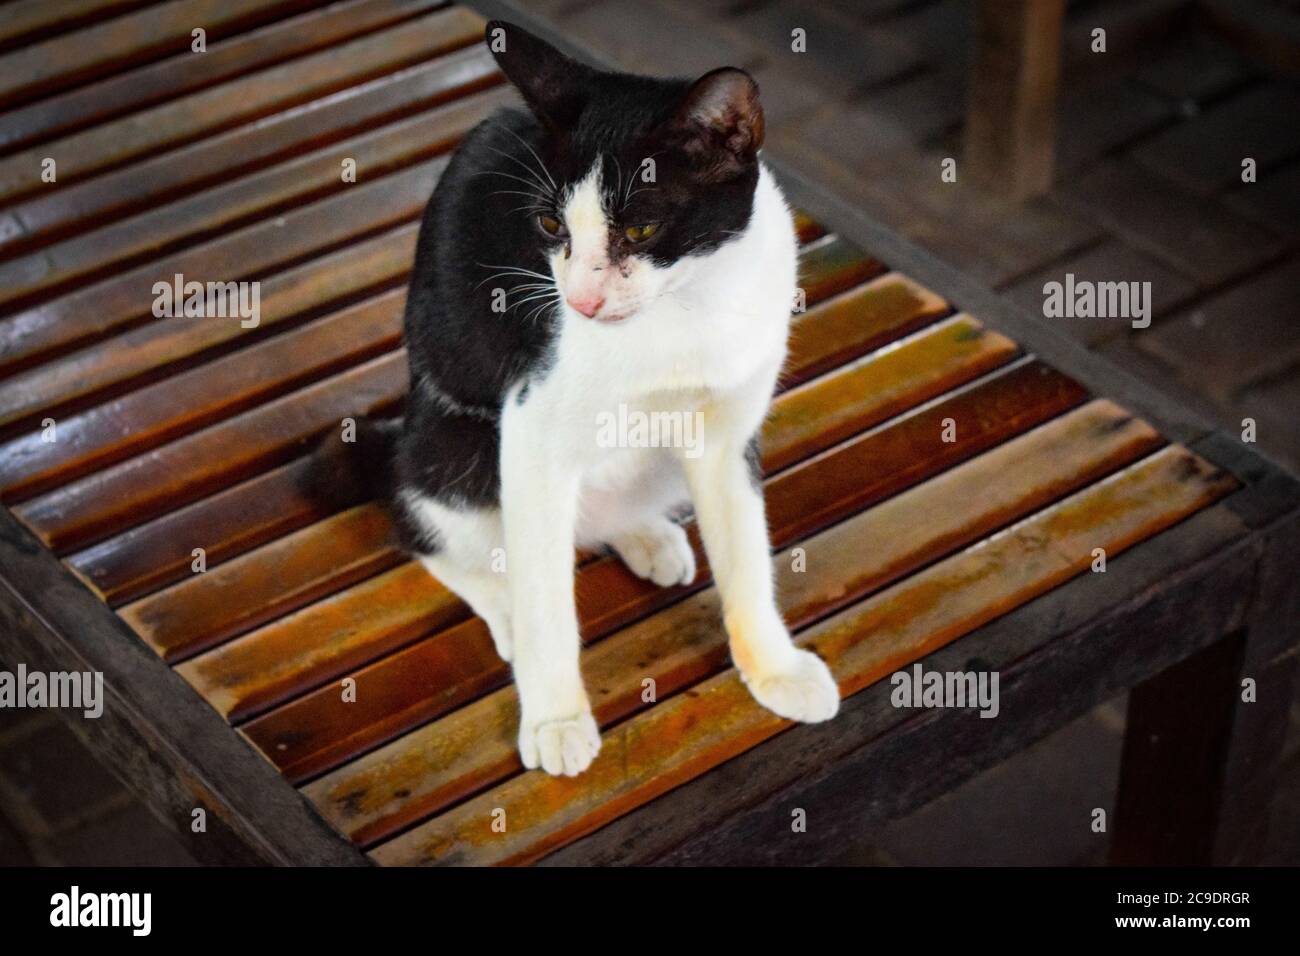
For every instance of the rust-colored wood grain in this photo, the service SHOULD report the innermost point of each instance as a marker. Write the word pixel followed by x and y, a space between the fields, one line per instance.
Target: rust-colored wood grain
pixel 309 176
pixel 225 58
pixel 876 386
pixel 848 323
pixel 142 487
pixel 150 180
pixel 238 690
pixel 287 298
pixel 685 643
pixel 244 254
pixel 183 403
pixel 124 569
pixel 25 19
pixel 240 101
pixel 203 610
pixel 233 521
pixel 687 734
pixel 163 29
pixel 313 733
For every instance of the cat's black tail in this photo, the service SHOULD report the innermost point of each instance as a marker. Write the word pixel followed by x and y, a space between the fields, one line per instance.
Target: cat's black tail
pixel 345 472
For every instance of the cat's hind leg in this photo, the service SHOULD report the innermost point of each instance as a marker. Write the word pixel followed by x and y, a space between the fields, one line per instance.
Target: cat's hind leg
pixel 658 550
pixel 483 590
pixel 464 549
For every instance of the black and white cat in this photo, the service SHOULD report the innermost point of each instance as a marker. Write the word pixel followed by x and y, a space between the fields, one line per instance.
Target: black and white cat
pixel 617 245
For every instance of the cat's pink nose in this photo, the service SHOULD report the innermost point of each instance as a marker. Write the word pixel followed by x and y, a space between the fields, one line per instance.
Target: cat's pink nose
pixel 587 305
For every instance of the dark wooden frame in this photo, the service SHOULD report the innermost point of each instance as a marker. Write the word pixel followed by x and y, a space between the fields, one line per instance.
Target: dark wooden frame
pixel 1183 616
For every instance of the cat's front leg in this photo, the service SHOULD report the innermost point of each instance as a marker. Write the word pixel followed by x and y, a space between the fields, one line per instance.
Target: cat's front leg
pixel 727 492
pixel 539 495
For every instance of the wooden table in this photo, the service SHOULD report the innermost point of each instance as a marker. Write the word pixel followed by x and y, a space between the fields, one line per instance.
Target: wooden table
pixel 225 686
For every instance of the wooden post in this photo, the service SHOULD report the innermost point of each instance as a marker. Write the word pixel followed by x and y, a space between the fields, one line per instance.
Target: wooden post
pixel 1201 756
pixel 1011 113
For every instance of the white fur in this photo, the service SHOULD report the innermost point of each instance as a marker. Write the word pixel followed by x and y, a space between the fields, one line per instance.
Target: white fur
pixel 706 335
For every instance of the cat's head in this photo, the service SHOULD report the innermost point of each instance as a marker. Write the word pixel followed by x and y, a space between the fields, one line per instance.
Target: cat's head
pixel 635 179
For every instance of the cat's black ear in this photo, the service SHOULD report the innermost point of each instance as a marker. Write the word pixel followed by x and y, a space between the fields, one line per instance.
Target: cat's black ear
pixel 719 124
pixel 553 85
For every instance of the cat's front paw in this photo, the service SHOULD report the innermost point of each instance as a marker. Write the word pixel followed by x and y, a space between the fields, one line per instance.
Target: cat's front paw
pixel 802 689
pixel 560 747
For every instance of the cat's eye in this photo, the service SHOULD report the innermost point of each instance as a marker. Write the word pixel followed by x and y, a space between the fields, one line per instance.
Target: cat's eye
pixel 642 232
pixel 550 225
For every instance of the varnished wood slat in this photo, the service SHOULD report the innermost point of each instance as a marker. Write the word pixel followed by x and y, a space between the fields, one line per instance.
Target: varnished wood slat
pixel 313 733
pixel 371 264
pixel 132 38
pixel 239 678
pixel 239 688
pixel 309 176
pixel 876 386
pixel 240 100
pixel 832 264
pixel 230 522
pixel 688 734
pixel 194 614
pixel 146 85
pixel 24 18
pixel 142 487
pixel 186 402
pixel 139 561
pixel 285 575
pixel 686 643
pixel 240 255
pixel 150 180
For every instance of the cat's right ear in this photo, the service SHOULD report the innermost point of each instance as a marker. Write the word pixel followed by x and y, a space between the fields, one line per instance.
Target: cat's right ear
pixel 553 85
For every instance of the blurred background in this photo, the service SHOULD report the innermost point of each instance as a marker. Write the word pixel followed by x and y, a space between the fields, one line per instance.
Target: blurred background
pixel 1122 164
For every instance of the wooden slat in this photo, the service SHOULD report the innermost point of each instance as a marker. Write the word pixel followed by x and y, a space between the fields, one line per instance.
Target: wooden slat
pixel 229 523
pixel 142 487
pixel 686 735
pixel 686 643
pixel 216 158
pixel 832 264
pixel 140 561
pixel 877 386
pixel 112 96
pixel 23 18
pixel 313 733
pixel 311 175
pixel 195 613
pixel 282 576
pixel 186 402
pixel 287 296
pixel 263 668
pixel 122 41
pixel 243 254
pixel 240 100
